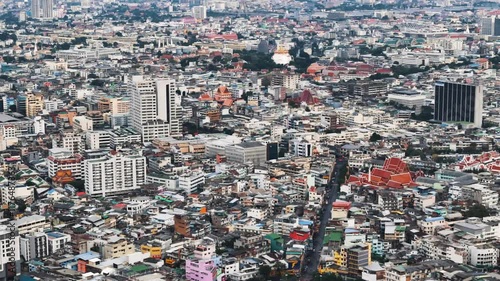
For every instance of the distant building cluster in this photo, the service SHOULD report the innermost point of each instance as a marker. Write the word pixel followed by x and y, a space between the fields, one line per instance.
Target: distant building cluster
pixel 237 140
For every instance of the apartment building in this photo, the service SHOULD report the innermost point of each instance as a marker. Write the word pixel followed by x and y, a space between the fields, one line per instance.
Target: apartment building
pixel 63 159
pixel 155 109
pixel 34 246
pixel 247 152
pixel 429 225
pixel 8 241
pixel 33 223
pixel 190 182
pixel 57 240
pixel 115 173
pixel 117 247
pixel 34 104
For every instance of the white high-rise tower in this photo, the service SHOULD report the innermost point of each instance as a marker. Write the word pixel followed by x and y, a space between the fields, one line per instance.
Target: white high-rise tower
pixel 155 109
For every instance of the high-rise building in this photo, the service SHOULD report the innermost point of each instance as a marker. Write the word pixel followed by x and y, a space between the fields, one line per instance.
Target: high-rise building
pixel 9 246
pixel 155 110
pixel 114 174
pixel 35 246
pixel 456 102
pixel 63 159
pixel 200 12
pixel 490 26
pixel 42 9
pixel 47 9
pixel 487 25
pixel 35 9
pixel 34 104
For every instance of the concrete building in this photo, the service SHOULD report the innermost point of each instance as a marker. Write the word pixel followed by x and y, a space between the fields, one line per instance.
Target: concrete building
pixel 57 241
pixel 117 247
pixel 9 245
pixel 200 12
pixel 191 181
pixel 82 124
pixel 407 98
pixel 64 159
pixel 21 191
pixel 33 223
pixel 247 152
pixel 113 174
pixel 34 104
pixel 456 102
pixel 98 139
pixel 34 246
pixel 155 110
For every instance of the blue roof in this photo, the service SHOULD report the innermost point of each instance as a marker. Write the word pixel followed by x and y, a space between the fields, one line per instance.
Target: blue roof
pixel 305 222
pixel 351 230
pixel 87 256
pixel 55 234
pixel 434 219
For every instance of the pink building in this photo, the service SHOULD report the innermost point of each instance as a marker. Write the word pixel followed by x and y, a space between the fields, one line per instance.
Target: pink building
pixel 201 270
pixel 202 266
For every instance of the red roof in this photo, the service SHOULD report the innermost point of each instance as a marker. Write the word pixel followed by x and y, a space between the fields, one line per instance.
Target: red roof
pixel 81 193
pixel 119 206
pixel 341 204
pixel 299 235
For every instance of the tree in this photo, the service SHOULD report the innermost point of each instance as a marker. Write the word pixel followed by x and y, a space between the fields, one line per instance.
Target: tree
pixel 477 210
pixel 426 114
pixel 79 40
pixel 119 34
pixel 293 104
pixel 375 137
pixel 97 83
pixel 9 59
pixel 21 205
pixel 246 95
pixel 265 271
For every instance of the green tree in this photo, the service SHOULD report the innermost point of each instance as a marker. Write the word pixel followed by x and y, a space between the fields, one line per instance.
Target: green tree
pixel 477 210
pixel 9 59
pixel 293 104
pixel 21 205
pixel 375 137
pixel 426 114
pixel 265 271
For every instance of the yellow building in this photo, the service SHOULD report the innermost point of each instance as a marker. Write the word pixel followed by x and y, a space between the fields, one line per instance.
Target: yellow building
pixel 114 105
pixel 153 249
pixel 34 104
pixel 118 247
pixel 340 257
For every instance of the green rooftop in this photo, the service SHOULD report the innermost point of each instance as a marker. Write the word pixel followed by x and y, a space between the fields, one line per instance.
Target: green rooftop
pixel 139 268
pixel 333 237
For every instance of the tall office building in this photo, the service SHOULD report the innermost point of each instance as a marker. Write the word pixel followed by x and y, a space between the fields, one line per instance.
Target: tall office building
pixel 456 102
pixel 47 9
pixel 490 26
pixel 114 174
pixel 35 9
pixel 155 109
pixel 42 9
pixel 200 12
pixel 487 25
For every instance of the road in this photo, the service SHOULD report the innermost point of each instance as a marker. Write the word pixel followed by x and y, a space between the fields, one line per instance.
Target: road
pixel 313 257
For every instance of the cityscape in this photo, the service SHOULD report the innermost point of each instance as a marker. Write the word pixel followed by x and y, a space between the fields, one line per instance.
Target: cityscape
pixel 217 140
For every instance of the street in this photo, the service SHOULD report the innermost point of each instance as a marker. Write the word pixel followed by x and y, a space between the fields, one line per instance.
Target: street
pixel 332 191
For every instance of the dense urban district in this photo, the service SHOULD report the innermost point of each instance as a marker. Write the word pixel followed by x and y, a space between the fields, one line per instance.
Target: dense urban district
pixel 216 140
